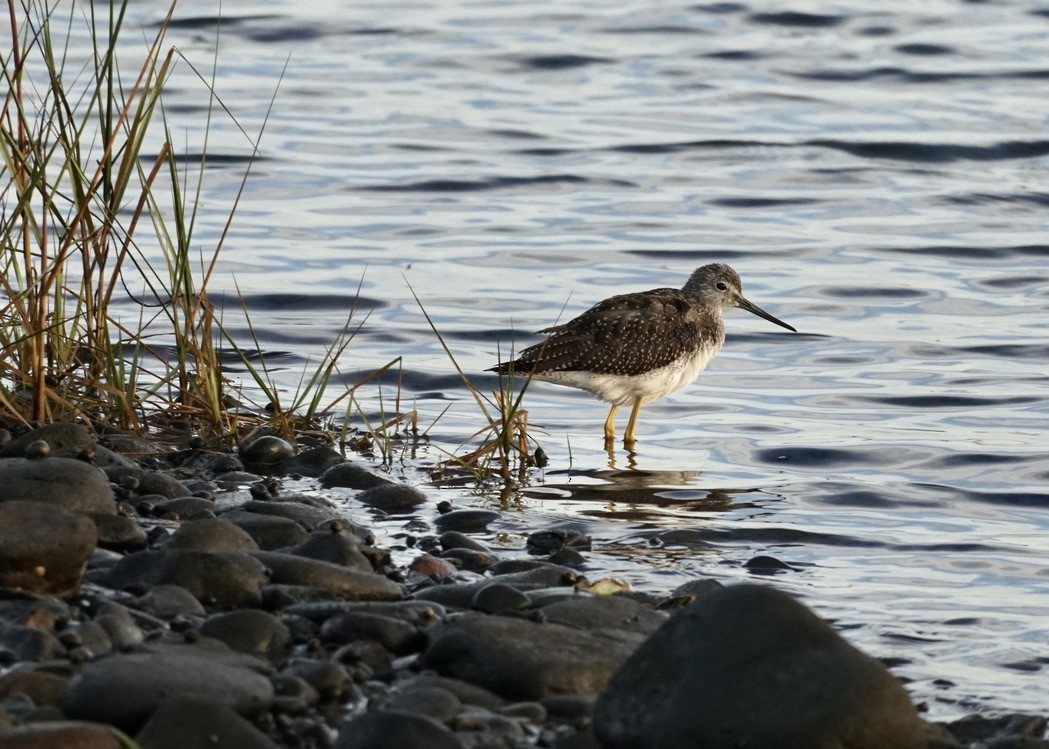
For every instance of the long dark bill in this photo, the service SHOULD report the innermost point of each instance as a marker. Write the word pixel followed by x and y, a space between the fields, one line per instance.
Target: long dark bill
pixel 751 307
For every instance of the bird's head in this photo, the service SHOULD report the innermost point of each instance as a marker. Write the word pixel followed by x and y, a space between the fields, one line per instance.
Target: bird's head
pixel 720 286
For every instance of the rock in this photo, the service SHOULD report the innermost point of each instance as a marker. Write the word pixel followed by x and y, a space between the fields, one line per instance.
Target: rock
pixel 470 560
pixel 119 533
pixel 430 700
pixel 549 541
pixel 250 631
pixel 541 575
pixel 466 521
pixel 129 445
pixel 353 476
pixel 182 723
pixel 314 462
pixel 308 516
pixel 456 540
pixel 330 680
pixel 210 463
pixel 396 635
pixel 62 437
pixel 105 458
pixel 698 679
pixel 384 729
pixel 64 482
pixel 42 687
pixel 279 597
pixel 498 597
pixel 211 534
pixel 433 567
pixel 30 644
pixel 119 624
pixel 605 612
pixel 222 580
pixel 169 601
pixel 183 506
pixel 346 583
pixel 125 689
pixel 521 659
pixel 149 482
pixel 337 546
pixel 66 734
pixel 392 498
pixel 269 531
pixel 267 451
pixel 43 548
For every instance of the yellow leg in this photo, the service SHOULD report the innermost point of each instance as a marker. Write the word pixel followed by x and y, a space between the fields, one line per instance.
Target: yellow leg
pixel 628 436
pixel 610 425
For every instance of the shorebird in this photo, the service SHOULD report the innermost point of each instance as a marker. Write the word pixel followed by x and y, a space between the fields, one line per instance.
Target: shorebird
pixel 638 347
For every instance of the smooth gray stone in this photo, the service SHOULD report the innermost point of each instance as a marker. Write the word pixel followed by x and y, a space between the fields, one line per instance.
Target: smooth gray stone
pixel 308 516
pixel 64 482
pixel 118 532
pixel 221 580
pixel 605 612
pixel 346 583
pixel 392 497
pixel 387 729
pixel 336 546
pixel 63 437
pixel 250 631
pixel 520 659
pixel 314 461
pixel 169 601
pixel 396 635
pixel 43 548
pixel 125 689
pixel 269 531
pixel 267 450
pixel 181 723
pixel 353 476
pixel 750 666
pixel 211 534
pixel 150 482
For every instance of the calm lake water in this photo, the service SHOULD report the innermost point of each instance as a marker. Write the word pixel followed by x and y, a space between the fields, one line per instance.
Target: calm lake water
pixel 878 179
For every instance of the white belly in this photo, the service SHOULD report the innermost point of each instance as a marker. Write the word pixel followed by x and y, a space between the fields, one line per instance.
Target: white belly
pixel 623 389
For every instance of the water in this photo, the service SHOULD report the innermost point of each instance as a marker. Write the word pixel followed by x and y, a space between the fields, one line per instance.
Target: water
pixel 877 178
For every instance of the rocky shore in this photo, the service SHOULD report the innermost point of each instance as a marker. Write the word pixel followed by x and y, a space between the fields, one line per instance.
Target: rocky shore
pixel 137 597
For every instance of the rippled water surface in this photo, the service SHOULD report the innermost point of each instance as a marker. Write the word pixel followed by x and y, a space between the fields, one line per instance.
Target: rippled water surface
pixel 877 178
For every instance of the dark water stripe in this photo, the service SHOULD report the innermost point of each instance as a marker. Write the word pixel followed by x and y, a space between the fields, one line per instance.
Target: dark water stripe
pixel 970 252
pixel 210 22
pixel 1040 199
pixel 559 62
pixel 1019 499
pixel 743 55
pixel 274 301
pixel 945 401
pixel 822 457
pixel 924 49
pixel 766 535
pixel 872 293
pixel 938 152
pixel 491 183
pixel 760 202
pixel 210 158
pixel 798 19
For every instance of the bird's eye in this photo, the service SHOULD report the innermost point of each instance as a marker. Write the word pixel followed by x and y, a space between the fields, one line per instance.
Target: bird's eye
pixel 721 286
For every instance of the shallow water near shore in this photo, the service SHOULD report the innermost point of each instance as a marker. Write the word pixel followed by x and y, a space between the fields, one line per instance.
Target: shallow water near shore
pixel 876 180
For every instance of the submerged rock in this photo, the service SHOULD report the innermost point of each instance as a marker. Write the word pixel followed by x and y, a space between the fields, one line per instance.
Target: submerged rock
pixel 750 666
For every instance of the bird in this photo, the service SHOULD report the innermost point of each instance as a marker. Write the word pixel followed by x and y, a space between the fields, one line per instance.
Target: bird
pixel 638 347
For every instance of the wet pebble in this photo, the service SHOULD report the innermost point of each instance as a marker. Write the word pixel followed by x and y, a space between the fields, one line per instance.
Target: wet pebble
pixel 63 482
pixel 433 567
pixel 221 580
pixel 521 659
pixel 457 540
pixel 149 481
pixel 346 583
pixel 308 516
pixel 605 612
pixel 43 549
pixel 61 437
pixel 334 545
pixel 170 601
pixel 211 534
pixel 396 635
pixel 250 631
pixel 268 531
pixel 183 506
pixel 392 498
pixel 466 521
pixel 750 645
pixel 314 461
pixel 180 723
pixel 74 734
pixel 42 687
pixel 268 450
pixel 383 729
pixel 125 689
pixel 470 560
pixel 120 625
pixel 499 597
pixel 118 532
pixel 30 644
pixel 431 700
pixel 353 476
pixel 549 541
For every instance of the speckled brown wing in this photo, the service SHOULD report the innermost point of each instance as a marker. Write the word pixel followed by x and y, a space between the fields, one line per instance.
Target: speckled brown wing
pixel 624 335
